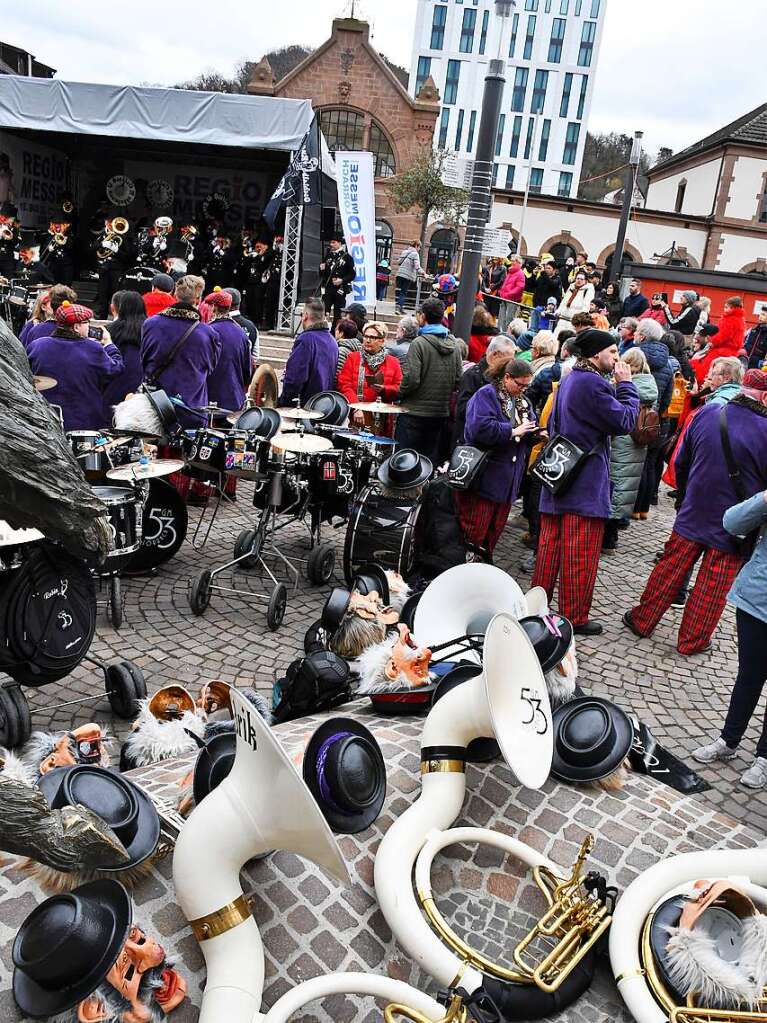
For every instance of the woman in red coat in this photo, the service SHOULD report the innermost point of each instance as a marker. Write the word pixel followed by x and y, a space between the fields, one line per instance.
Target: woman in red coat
pixel 371 374
pixel 728 341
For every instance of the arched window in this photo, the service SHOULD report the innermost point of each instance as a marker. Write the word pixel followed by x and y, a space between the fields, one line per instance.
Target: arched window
pixel 562 252
pixel 443 250
pixel 382 151
pixel 343 129
pixel 347 130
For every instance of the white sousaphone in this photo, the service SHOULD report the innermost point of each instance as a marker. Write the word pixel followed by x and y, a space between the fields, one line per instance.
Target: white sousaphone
pixel 263 804
pixel 631 959
pixel 508 700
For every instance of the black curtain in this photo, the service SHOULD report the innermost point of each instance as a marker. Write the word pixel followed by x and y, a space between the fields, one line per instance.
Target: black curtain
pixel 314 240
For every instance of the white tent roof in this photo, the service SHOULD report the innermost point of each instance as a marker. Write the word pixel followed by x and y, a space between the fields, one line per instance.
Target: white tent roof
pixel 167 115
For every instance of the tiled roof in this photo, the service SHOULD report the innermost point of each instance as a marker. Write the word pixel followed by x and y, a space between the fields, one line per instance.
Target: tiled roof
pixel 751 129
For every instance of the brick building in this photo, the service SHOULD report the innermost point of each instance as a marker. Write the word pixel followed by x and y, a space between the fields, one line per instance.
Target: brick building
pixel 363 106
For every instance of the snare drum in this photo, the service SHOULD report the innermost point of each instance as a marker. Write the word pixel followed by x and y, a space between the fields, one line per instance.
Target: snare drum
pixel 124 523
pixel 206 450
pixel 19 295
pixel 381 530
pixel 244 453
pixel 87 447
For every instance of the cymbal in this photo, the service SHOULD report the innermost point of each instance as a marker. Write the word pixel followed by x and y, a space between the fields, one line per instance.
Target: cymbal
pixel 378 406
pixel 299 413
pixel 44 383
pixel 305 444
pixel 137 471
pixel 361 437
pixel 217 410
pixel 126 435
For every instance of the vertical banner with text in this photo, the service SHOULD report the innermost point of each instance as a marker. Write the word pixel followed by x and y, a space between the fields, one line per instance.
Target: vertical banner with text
pixel 357 208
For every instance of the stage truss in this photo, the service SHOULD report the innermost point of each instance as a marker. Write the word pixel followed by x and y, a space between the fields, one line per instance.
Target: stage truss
pixel 291 268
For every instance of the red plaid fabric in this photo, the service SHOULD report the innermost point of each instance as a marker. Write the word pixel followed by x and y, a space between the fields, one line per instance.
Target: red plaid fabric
pixel 568 549
pixel 706 602
pixel 68 314
pixel 482 520
pixel 219 298
pixel 186 485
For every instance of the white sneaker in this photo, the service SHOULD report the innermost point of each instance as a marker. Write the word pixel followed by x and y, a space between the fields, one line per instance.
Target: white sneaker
pixel 756 776
pixel 716 750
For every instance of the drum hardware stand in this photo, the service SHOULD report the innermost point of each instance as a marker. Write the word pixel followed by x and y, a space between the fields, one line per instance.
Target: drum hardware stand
pixel 221 496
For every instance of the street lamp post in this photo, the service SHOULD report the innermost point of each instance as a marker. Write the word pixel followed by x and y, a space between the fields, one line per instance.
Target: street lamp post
pixel 628 198
pixel 482 179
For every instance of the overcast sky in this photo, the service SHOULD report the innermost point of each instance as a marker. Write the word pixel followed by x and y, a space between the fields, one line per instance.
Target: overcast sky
pixel 665 66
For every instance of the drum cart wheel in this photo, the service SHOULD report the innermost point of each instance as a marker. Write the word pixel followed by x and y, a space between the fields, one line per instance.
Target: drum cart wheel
pixel 320 564
pixel 275 612
pixel 125 686
pixel 243 546
pixel 316 638
pixel 115 602
pixel 199 596
pixel 15 719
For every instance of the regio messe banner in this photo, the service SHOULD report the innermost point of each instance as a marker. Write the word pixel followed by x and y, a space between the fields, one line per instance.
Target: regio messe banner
pixel 357 207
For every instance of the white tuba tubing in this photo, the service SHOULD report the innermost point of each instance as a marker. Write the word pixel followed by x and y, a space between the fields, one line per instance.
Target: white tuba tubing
pixel 219 837
pixel 646 891
pixel 453 721
pixel 353 984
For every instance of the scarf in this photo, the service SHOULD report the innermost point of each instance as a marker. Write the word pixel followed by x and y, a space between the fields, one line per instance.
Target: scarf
pixel 588 367
pixel 571 296
pixel 516 410
pixel 180 311
pixel 374 360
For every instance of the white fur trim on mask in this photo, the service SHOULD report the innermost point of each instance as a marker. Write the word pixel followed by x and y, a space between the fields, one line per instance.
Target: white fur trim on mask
pixel 152 740
pixel 137 413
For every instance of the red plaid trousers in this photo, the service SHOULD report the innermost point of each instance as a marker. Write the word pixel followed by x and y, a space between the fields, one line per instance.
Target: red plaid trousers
pixel 186 485
pixel 706 602
pixel 568 548
pixel 482 520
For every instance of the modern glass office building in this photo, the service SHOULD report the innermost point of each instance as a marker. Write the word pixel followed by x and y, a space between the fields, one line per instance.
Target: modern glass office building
pixel 551 48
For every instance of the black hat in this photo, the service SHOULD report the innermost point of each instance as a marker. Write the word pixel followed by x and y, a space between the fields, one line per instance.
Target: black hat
pixel 665 917
pixel 28 238
pixel 371 578
pixel 592 737
pixel 405 469
pixel 338 236
pixel 67 945
pixel 214 762
pixel 264 422
pixel 128 811
pixel 175 249
pixel 333 406
pixel 552 637
pixel 345 771
pixel 479 751
pixel 7 209
pixel 402 702
pixel 592 341
pixel 709 330
pixel 335 608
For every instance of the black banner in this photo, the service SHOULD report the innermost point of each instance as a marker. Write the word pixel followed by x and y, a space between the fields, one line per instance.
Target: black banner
pixel 300 184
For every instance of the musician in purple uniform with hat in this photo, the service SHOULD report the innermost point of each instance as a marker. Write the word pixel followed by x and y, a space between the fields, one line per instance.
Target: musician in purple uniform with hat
pixel 228 383
pixel 179 352
pixel 81 365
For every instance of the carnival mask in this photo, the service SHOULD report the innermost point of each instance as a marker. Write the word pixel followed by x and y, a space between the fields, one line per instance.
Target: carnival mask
pixel 215 696
pixel 370 607
pixel 81 746
pixel 408 661
pixel 138 977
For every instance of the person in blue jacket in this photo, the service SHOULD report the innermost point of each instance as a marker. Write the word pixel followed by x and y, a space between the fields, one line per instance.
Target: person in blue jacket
pixel 749 597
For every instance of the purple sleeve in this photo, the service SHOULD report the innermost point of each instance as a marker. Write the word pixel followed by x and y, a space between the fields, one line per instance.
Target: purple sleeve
pixel 215 348
pixel 147 347
pixel 484 423
pixel 296 372
pixel 112 361
pixel 246 361
pixel 615 414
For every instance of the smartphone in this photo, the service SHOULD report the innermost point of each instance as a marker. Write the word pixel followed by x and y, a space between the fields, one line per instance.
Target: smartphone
pixel 97 333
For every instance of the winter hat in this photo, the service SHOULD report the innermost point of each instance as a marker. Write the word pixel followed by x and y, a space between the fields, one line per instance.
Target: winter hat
pixel 691 296
pixel 68 314
pixel 219 298
pixel 163 282
pixel 709 330
pixel 592 341
pixel 755 380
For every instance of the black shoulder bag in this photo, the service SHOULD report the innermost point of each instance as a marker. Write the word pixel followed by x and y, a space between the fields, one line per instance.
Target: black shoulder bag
pixel 558 465
pixel 747 543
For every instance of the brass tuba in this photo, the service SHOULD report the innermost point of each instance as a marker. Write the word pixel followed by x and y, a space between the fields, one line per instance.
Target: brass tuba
pixel 112 239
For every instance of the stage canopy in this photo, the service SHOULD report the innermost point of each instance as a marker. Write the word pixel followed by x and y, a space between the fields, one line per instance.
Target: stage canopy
pixel 162 115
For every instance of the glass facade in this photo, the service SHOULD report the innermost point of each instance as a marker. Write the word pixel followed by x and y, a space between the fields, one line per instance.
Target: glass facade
pixel 444 125
pixel 565 184
pixel 483 31
pixel 558 28
pixel 520 89
pixel 459 130
pixel 466 44
pixel 422 73
pixel 567 88
pixel 571 142
pixel 529 37
pixel 499 136
pixel 540 85
pixel 588 35
pixel 536 179
pixel 472 126
pixel 514 30
pixel 582 97
pixel 516 132
pixel 439 19
pixel 543 149
pixel 451 81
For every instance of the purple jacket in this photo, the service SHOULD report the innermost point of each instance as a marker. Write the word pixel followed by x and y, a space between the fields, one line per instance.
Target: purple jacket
pixel 488 428
pixel 82 368
pixel 589 410
pixel 187 375
pixel 311 366
pixel 701 471
pixel 228 383
pixel 132 374
pixel 32 331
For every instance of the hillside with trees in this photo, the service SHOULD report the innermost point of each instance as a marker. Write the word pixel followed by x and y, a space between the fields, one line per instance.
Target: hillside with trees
pixel 604 161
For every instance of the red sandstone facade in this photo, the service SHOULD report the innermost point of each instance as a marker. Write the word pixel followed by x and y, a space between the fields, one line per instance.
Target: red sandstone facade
pixel 346 73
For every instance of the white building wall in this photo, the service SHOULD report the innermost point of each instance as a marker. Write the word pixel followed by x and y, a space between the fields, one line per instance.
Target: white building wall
pixel 737 251
pixel 473 68
pixel 747 187
pixel 699 193
pixel 596 233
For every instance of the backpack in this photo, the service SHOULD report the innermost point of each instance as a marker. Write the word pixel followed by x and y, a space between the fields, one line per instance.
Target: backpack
pixel 678 396
pixel 312 684
pixel 647 429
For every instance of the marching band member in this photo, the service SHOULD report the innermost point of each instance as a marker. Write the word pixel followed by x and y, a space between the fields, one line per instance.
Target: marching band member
pixel 338 272
pixel 153 242
pixel 57 249
pixel 82 366
pixel 228 383
pixel 9 238
pixel 114 254
pixel 256 263
pixel 220 260
pixel 189 238
pixel 30 270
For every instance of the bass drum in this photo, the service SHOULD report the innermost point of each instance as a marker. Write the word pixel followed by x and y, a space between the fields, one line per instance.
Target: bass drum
pixel 381 530
pixel 139 279
pixel 164 524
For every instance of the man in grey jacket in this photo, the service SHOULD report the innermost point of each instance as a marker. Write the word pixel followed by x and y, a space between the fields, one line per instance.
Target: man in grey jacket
pixel 409 269
pixel 430 375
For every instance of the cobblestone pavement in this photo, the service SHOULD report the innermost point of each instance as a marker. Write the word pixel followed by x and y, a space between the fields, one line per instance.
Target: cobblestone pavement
pixel 682 699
